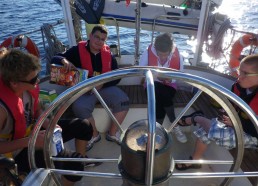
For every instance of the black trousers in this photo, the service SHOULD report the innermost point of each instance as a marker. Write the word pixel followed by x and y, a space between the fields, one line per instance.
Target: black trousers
pixel 76 128
pixel 164 102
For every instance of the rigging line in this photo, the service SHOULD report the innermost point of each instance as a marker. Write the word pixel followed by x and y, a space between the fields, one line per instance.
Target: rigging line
pixel 215 48
pixel 54 45
pixel 231 41
pixel 244 32
pixel 60 21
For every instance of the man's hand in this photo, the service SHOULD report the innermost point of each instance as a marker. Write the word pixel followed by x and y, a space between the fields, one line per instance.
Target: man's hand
pixel 68 65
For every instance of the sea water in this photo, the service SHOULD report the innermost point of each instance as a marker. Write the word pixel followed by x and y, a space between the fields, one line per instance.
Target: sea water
pixel 17 17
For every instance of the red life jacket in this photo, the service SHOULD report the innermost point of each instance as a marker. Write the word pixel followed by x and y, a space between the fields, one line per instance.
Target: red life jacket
pixel 86 59
pixel 253 103
pixel 15 106
pixel 174 61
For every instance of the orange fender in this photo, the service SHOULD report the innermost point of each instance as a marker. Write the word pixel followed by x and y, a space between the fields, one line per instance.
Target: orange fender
pixel 23 42
pixel 237 48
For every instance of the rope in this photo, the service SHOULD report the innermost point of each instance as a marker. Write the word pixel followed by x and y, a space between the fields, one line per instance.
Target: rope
pixel 54 45
pixel 214 49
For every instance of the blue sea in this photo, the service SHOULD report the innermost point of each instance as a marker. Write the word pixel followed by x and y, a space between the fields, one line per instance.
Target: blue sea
pixel 21 16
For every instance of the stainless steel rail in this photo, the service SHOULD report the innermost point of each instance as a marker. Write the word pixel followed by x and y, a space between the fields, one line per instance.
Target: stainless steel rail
pixel 152 129
pixel 219 93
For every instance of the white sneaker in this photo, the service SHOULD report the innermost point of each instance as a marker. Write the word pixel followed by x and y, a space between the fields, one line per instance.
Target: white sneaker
pixel 180 136
pixel 115 138
pixel 93 141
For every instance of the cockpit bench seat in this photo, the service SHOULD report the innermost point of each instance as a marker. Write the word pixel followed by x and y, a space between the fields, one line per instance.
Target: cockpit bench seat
pixel 138 96
pixel 138 99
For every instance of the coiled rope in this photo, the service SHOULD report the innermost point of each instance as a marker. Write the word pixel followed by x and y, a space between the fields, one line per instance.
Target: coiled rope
pixel 53 47
pixel 214 49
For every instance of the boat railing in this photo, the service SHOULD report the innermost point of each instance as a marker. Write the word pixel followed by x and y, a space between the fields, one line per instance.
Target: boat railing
pixel 167 16
pixel 153 26
pixel 31 32
pixel 60 21
pixel 117 33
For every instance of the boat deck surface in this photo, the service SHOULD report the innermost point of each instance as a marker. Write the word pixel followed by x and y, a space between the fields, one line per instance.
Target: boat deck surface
pixel 138 98
pixel 102 149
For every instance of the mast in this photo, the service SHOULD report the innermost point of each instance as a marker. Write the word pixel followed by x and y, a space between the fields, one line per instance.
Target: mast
pixel 201 26
pixel 68 22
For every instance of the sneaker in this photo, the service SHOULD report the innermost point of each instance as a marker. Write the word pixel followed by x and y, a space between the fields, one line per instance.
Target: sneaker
pixel 115 138
pixel 91 164
pixel 180 136
pixel 92 141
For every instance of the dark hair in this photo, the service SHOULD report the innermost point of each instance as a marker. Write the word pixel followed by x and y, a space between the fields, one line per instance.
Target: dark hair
pixel 100 28
pixel 16 64
pixel 251 60
pixel 164 43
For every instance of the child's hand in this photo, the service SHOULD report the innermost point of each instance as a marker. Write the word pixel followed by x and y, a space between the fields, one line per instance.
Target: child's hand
pixel 40 139
pixel 165 80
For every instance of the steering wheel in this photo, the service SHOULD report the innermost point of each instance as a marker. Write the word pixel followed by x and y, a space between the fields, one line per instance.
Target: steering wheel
pixel 222 95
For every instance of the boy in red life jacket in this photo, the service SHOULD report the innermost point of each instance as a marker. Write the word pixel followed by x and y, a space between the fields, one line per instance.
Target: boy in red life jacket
pixel 164 53
pixel 220 129
pixel 95 56
pixel 19 109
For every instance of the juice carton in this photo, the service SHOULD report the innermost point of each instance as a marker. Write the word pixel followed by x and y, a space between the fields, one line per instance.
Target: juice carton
pixel 46 96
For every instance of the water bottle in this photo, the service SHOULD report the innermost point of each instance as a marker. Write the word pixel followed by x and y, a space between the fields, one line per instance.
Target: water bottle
pixel 114 49
pixel 57 144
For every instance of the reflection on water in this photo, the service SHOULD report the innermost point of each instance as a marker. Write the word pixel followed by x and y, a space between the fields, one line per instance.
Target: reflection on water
pixel 33 13
pixel 243 15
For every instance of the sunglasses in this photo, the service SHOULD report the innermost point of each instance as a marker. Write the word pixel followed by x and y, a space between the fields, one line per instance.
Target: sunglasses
pixel 246 74
pixel 33 81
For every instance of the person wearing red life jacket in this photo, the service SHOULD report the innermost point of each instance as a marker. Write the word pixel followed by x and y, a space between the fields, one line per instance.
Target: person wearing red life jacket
pixel 220 129
pixel 19 109
pixel 164 53
pixel 95 56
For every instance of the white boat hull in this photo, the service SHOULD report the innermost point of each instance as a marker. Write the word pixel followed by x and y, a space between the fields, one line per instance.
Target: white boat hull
pixel 183 22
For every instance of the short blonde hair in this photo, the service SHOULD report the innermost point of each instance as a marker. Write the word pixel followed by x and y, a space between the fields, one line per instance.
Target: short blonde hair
pixel 16 64
pixel 251 60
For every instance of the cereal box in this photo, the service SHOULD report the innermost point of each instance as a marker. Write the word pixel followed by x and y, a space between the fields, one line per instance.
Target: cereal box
pixel 60 76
